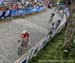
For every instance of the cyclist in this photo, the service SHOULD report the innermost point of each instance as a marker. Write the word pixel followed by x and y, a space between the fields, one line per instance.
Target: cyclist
pixel 52 28
pixel 25 38
pixel 58 22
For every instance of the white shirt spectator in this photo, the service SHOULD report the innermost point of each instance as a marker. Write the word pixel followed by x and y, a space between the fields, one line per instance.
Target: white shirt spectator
pixel 35 0
pixel 27 2
pixel 19 5
pixel 22 1
pixel 66 10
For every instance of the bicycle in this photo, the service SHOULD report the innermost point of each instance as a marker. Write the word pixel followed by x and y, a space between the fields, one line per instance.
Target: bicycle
pixel 22 46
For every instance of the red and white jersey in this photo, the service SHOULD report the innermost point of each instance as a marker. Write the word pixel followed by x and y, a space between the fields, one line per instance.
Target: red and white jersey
pixel 25 36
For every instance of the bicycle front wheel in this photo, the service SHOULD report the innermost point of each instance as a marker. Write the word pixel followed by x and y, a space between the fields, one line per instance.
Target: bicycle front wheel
pixel 20 50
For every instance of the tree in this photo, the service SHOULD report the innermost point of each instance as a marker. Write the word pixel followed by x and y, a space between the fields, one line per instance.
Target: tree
pixel 70 25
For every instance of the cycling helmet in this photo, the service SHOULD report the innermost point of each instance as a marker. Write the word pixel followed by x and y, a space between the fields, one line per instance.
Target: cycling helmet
pixel 24 31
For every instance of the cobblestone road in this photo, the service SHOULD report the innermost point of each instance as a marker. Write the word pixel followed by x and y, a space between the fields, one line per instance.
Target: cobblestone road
pixel 37 25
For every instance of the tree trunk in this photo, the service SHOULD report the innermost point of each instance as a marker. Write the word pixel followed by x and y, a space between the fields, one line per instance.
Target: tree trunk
pixel 70 26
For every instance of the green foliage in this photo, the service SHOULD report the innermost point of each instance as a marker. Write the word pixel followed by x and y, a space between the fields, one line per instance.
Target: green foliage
pixel 53 51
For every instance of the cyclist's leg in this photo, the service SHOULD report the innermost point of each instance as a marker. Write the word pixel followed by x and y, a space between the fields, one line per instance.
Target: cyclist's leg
pixel 27 43
pixel 24 44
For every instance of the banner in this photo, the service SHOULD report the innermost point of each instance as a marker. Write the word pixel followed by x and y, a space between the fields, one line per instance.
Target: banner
pixel 27 11
pixel 34 9
pixel 7 13
pixel 20 12
pixel 13 12
pixel 1 13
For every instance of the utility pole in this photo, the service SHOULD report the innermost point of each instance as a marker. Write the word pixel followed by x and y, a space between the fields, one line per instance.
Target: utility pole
pixel 70 29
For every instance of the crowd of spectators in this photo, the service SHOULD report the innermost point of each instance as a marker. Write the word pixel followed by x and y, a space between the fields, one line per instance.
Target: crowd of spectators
pixel 20 4
pixel 6 7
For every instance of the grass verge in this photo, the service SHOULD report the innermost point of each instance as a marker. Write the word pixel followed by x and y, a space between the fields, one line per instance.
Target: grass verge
pixel 53 52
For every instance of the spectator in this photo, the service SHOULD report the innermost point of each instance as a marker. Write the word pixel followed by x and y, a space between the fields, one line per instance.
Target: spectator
pixel 23 2
pixel 27 4
pixel 52 28
pixel 19 5
pixel 58 23
pixel 66 11
pixel 51 18
pixel 50 4
pixel 61 12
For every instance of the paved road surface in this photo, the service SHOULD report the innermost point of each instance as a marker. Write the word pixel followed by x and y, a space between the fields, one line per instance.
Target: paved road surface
pixel 37 25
